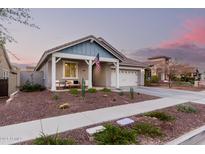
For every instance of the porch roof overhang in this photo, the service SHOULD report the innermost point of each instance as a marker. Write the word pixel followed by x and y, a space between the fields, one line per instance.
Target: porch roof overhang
pixel 82 57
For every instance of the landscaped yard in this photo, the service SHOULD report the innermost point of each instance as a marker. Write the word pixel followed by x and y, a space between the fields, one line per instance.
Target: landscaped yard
pixel 28 106
pixel 156 127
pixel 188 87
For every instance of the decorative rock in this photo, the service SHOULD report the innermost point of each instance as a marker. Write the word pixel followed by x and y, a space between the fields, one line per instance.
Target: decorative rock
pixel 64 106
pixel 91 138
pixel 125 121
pixel 94 130
pixel 105 95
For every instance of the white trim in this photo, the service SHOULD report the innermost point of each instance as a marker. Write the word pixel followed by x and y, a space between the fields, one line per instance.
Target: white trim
pixel 90 74
pixel 127 68
pixel 53 73
pixel 58 60
pixel 67 61
pixel 118 75
pixel 5 73
pixel 83 57
pixel 87 62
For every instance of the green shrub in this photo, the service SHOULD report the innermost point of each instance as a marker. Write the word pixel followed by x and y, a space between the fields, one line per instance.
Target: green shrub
pixel 148 129
pixel 106 90
pixel 55 96
pixel 154 79
pixel 52 140
pixel 74 91
pixel 28 87
pixel 182 83
pixel 160 115
pixel 147 83
pixel 186 108
pixel 92 90
pixel 187 78
pixel 115 135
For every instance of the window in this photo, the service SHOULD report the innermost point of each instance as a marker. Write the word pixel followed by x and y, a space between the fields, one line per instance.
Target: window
pixel 5 74
pixel 70 70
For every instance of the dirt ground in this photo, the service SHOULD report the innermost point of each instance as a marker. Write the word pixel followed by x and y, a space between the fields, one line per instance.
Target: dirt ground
pixel 27 106
pixel 183 123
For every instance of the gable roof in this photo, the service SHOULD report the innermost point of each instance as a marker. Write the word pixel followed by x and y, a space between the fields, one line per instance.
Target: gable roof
pixel 126 61
pixel 6 56
pixel 99 41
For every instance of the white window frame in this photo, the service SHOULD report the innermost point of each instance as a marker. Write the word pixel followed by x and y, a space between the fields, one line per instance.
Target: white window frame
pixel 66 61
pixel 5 74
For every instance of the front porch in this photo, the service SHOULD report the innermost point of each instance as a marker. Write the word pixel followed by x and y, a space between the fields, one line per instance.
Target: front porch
pixel 67 71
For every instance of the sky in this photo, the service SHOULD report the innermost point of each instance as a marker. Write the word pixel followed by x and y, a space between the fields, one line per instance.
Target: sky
pixel 128 30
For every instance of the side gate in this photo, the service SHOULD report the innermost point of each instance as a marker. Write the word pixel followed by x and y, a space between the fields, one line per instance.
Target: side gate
pixel 3 87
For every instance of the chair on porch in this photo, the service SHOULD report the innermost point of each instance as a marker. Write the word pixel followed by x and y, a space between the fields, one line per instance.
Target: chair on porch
pixel 73 84
pixel 60 84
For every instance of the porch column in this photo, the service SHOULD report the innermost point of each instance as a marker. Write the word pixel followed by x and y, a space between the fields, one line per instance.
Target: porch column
pixel 90 74
pixel 142 74
pixel 46 75
pixel 117 75
pixel 53 73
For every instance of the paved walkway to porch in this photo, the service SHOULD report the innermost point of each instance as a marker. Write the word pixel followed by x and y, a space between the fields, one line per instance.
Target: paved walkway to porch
pixel 12 134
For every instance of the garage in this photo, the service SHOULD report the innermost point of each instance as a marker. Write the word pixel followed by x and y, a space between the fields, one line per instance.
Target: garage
pixel 127 78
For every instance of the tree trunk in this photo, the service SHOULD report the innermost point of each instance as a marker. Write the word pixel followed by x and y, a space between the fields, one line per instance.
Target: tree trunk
pixel 170 83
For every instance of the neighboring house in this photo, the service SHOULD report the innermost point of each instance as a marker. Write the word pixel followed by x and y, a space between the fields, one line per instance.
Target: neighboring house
pixel 202 78
pixel 74 61
pixel 8 75
pixel 158 66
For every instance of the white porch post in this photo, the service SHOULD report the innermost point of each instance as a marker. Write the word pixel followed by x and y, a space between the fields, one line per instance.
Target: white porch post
pixel 53 73
pixel 46 75
pixel 90 74
pixel 117 75
pixel 142 74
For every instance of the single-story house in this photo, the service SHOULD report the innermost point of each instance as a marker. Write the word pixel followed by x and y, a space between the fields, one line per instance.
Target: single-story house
pixel 74 61
pixel 8 75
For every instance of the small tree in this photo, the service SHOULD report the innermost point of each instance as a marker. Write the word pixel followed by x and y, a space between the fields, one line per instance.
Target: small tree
pixel 172 71
pixel 9 15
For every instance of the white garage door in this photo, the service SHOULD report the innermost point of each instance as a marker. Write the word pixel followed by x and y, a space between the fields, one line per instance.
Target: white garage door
pixel 127 78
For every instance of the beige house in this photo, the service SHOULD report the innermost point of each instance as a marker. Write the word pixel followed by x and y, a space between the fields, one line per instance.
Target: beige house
pixel 9 77
pixel 66 65
pixel 158 66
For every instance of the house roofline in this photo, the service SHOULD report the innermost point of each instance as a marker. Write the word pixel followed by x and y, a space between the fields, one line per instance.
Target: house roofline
pixel 6 56
pixel 75 42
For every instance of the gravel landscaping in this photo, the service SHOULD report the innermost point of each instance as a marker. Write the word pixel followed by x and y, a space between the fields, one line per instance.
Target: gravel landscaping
pixel 184 121
pixel 181 87
pixel 27 106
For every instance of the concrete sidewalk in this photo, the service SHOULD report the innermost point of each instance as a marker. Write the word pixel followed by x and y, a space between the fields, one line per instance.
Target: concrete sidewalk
pixel 12 134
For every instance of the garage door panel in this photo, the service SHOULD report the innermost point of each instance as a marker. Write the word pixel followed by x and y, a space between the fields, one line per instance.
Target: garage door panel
pixel 127 78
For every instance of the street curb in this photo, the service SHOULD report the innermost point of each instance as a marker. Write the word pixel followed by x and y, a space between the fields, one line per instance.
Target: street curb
pixel 188 136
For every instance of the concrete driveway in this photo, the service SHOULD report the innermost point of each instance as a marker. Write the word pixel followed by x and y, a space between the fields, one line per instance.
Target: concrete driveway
pixel 198 97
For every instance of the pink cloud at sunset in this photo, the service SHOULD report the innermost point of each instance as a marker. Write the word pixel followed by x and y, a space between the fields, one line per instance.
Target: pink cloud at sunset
pixel 192 31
